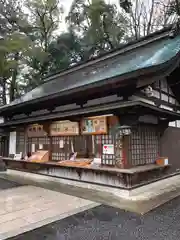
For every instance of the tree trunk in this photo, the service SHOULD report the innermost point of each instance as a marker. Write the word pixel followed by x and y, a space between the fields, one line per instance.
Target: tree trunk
pixel 13 79
pixel 4 92
pixel 177 3
pixel 106 33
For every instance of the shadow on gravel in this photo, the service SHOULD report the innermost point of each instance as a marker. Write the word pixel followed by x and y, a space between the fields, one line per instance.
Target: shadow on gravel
pixel 5 184
pixel 108 223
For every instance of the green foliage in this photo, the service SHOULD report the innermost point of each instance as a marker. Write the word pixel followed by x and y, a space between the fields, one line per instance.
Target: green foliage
pixel 14 43
pixel 64 51
pixel 99 25
pixel 44 18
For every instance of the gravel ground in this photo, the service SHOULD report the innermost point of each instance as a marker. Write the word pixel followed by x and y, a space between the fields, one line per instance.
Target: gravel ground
pixel 107 223
pixel 5 184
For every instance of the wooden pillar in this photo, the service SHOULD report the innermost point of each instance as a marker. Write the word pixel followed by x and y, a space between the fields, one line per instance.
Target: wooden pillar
pixel 118 152
pixel 46 127
pixel 25 141
pixel 126 151
pixel 122 152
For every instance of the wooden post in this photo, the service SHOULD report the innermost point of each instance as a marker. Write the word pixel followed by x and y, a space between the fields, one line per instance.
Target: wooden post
pixel 125 156
pixel 25 141
pixel 118 152
pixel 46 127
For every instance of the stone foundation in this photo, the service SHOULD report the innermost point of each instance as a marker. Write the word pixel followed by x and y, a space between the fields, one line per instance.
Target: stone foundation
pixel 109 177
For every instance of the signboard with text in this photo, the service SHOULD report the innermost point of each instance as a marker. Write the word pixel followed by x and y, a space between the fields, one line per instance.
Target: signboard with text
pixel 64 128
pixel 94 125
pixel 108 149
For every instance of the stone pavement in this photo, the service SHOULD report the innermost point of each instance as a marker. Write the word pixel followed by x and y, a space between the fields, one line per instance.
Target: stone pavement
pixel 25 208
pixel 140 200
pixel 107 223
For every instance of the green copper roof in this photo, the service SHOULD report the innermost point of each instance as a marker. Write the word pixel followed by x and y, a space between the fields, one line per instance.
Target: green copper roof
pixel 142 57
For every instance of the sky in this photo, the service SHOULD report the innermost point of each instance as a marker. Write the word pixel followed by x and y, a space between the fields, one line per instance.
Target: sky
pixel 67 4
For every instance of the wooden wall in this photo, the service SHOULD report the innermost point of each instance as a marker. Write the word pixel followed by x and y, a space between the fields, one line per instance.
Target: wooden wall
pixel 170 147
pixel 87 146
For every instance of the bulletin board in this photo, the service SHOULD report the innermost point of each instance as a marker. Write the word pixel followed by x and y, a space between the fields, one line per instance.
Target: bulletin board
pixel 94 125
pixel 64 128
pixel 36 130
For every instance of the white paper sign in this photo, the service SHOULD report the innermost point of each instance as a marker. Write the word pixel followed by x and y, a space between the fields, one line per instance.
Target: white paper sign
pixel 61 144
pixel 108 149
pixel 40 146
pixel 18 156
pixel 1 120
pixel 12 143
pixel 33 148
pixel 166 161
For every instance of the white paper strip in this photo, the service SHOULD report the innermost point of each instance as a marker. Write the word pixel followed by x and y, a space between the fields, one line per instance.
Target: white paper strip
pixel 61 144
pixel 12 143
pixel 40 146
pixel 33 148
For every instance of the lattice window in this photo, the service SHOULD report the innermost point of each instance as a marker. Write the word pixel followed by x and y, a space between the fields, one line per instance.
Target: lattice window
pixel 40 143
pixel 63 146
pixel 83 145
pixel 30 142
pixel 20 141
pixel 143 145
pixel 4 146
pixel 100 140
pixel 60 148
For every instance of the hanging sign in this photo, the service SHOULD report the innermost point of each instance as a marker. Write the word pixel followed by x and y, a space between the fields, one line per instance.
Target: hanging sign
pixel 108 149
pixel 36 130
pixel 94 125
pixel 124 130
pixel 64 128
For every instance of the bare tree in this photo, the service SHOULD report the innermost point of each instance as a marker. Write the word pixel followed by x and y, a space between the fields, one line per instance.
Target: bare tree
pixel 147 16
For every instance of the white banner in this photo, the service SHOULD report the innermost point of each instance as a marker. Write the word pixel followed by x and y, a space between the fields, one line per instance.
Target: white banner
pixel 12 143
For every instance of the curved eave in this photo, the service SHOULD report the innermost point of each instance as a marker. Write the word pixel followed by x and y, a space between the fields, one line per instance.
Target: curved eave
pixel 135 79
pixel 117 108
pixel 129 70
